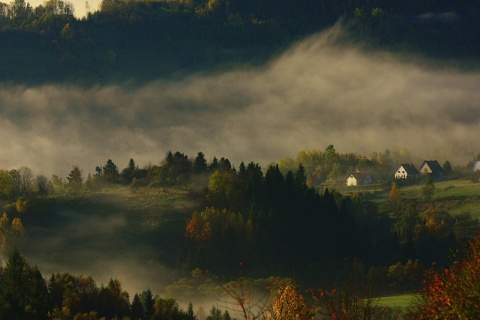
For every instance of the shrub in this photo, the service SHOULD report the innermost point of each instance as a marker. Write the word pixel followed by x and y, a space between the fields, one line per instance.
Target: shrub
pixel 455 292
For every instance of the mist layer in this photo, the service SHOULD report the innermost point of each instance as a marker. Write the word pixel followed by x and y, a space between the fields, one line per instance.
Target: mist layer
pixel 316 94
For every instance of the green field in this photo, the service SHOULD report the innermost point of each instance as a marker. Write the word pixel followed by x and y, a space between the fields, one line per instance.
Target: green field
pixel 402 301
pixel 453 196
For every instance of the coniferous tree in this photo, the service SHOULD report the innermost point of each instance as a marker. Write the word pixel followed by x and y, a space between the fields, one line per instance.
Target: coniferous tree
pixel 214 164
pixel 190 313
pixel 110 172
pixel 23 291
pixel 129 172
pixel 148 303
pixel 200 163
pixel 75 178
pixel 114 302
pixel 137 308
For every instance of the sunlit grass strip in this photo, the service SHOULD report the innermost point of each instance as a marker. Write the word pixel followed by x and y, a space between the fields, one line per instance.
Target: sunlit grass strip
pixel 402 301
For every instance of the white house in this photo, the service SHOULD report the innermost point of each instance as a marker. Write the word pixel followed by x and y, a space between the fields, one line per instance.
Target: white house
pixel 476 166
pixel 406 171
pixel 359 178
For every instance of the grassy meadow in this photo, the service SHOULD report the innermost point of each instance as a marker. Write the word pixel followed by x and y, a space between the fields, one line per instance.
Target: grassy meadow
pixel 453 196
pixel 457 196
pixel 400 302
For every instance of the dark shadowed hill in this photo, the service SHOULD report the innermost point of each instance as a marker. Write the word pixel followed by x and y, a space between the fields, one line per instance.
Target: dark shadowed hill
pixel 145 40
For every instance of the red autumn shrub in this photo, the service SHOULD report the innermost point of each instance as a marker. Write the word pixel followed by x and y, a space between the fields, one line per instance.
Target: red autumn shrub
pixel 455 292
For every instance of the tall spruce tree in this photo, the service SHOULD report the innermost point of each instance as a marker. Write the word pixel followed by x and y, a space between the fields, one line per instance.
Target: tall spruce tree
pixel 23 291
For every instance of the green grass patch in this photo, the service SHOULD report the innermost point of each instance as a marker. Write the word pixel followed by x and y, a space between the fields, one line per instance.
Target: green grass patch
pixel 402 301
pixel 453 196
pixel 472 207
pixel 457 189
pixel 444 190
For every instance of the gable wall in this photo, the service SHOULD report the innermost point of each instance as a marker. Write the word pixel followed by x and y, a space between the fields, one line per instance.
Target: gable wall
pixel 401 173
pixel 351 181
pixel 476 166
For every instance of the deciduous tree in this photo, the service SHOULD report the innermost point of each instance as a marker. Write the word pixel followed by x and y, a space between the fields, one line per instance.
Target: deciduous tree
pixel 453 293
pixel 42 184
pixel 290 304
pixel 5 184
pixel 394 195
pixel 428 190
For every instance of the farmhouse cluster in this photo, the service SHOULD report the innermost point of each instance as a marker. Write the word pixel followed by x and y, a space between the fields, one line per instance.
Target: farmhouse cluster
pixel 405 171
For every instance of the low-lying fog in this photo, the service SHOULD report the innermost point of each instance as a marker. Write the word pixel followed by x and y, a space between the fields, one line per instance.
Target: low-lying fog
pixel 316 94
pixel 104 239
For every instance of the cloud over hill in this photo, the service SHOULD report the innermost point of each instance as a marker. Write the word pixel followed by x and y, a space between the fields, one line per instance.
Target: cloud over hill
pixel 315 94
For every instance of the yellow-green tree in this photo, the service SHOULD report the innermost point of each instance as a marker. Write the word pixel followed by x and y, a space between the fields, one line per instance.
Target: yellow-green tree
pixel 21 205
pixel 17 227
pixel 9 230
pixel 394 195
pixel 5 184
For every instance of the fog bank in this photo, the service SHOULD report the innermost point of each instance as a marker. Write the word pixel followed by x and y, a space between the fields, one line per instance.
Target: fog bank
pixel 316 94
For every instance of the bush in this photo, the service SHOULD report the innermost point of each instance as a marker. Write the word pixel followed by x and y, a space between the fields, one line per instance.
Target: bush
pixel 137 183
pixel 453 293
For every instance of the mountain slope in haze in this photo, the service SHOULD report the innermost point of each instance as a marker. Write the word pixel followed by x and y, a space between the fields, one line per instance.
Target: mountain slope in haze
pixel 144 40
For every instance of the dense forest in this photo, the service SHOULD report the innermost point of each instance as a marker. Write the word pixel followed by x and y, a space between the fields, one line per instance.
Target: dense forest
pixel 282 228
pixel 137 41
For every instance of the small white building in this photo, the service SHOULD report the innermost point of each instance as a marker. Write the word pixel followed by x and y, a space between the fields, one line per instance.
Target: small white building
pixel 406 171
pixel 359 179
pixel 476 166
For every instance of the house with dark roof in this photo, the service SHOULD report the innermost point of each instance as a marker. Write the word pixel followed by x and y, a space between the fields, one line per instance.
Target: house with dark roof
pixel 359 179
pixel 406 171
pixel 431 168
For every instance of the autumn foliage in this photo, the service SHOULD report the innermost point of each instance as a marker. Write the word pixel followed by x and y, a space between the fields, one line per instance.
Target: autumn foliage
pixel 289 304
pixel 455 292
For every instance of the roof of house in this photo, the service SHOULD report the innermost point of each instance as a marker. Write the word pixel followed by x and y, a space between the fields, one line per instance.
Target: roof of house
pixel 409 168
pixel 433 165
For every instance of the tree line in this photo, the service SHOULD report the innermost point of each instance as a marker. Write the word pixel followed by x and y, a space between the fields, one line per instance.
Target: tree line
pixel 451 293
pixel 244 211
pixel 25 294
pixel 318 168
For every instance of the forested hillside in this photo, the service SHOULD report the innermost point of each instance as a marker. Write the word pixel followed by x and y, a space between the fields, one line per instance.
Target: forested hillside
pixel 144 40
pixel 193 229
